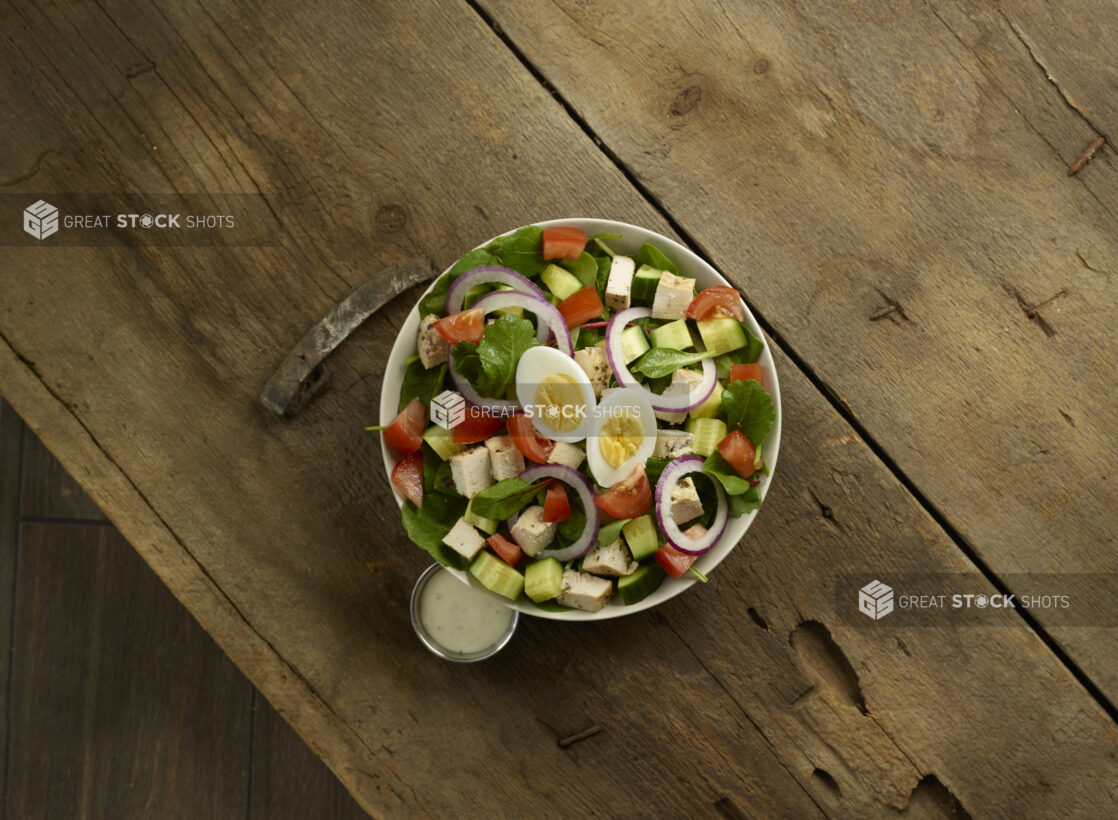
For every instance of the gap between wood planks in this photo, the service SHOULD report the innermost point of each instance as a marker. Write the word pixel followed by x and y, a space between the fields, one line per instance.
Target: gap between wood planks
pixel 813 377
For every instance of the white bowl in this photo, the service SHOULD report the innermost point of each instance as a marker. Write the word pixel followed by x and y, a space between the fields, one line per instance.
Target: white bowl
pixel 691 266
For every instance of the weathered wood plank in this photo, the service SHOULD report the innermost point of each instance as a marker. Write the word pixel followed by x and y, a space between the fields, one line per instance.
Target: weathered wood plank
pixel 48 490
pixel 11 430
pixel 287 779
pixel 833 160
pixel 104 721
pixel 273 533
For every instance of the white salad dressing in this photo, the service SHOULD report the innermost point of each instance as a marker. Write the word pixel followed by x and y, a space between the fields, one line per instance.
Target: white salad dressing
pixel 460 619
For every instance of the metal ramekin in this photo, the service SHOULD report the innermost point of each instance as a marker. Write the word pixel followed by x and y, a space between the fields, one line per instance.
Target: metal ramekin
pixel 433 645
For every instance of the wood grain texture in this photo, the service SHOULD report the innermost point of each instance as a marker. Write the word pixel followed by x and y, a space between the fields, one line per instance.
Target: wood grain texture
pixel 104 722
pixel 48 490
pixel 10 455
pixel 280 538
pixel 833 160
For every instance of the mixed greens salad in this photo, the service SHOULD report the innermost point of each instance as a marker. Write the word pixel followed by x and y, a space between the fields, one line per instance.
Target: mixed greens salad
pixel 577 424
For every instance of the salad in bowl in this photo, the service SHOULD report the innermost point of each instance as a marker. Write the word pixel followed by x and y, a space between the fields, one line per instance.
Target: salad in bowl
pixel 581 418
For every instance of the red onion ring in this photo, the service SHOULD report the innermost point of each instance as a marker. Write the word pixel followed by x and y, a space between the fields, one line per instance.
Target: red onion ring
pixel 581 485
pixel 675 536
pixel 486 275
pixel 668 404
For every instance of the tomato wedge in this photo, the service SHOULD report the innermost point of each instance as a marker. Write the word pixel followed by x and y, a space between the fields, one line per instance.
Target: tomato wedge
pixel 405 433
pixel 581 306
pixel 739 452
pixel 629 497
pixel 716 302
pixel 563 243
pixel 465 326
pixel 475 426
pixel 531 444
pixel 407 478
pixel 674 562
pixel 744 372
pixel 556 506
pixel 509 552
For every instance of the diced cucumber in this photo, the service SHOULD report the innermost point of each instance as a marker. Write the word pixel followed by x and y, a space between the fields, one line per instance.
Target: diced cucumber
pixel 722 335
pixel 497 576
pixel 640 584
pixel 641 536
pixel 707 433
pixel 608 533
pixel 709 408
pixel 633 343
pixel 475 293
pixel 645 281
pixel 487 525
pixel 440 441
pixel 560 282
pixel 511 311
pixel 674 335
pixel 543 579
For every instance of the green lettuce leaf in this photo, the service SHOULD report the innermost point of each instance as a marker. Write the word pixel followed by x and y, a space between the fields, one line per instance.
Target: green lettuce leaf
pixel 521 251
pixel 651 255
pixel 750 409
pixel 663 361
pixel 504 498
pixel 500 350
pixel 585 269
pixel 421 383
pixel 718 467
pixel 435 301
pixel 428 525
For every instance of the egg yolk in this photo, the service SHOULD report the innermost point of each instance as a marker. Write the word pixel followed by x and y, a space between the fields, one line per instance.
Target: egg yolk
pixel 620 438
pixel 560 402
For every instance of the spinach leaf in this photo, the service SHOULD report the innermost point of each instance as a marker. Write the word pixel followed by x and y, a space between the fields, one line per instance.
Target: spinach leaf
pixel 747 502
pixel 608 533
pixel 651 255
pixel 421 383
pixel 521 251
pixel 588 337
pixel 654 467
pixel 428 525
pixel 466 361
pixel 585 269
pixel 550 606
pixel 743 355
pixel 663 361
pixel 504 498
pixel 715 465
pixel 437 477
pixel 435 301
pixel 659 384
pixel 750 409
pixel 597 243
pixel 604 264
pixel 502 345
pixel 569 530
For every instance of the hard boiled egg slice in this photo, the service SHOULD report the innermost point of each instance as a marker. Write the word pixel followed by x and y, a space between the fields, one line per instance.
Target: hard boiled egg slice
pixel 622 433
pixel 556 393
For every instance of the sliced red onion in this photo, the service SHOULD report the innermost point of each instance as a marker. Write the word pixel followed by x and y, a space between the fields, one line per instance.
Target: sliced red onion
pixel 667 404
pixel 496 407
pixel 673 473
pixel 487 275
pixel 550 319
pixel 581 485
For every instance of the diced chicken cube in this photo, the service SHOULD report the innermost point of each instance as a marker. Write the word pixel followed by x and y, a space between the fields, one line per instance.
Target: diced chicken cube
pixel 672 444
pixel 505 461
pixel 566 454
pixel 595 362
pixel 433 349
pixel 620 283
pixel 471 471
pixel 531 532
pixel 610 559
pixel 464 539
pixel 683 382
pixel 673 295
pixel 684 501
pixel 582 590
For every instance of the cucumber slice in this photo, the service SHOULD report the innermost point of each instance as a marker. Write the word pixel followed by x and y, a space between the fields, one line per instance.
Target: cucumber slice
pixel 510 311
pixel 561 282
pixel 440 441
pixel 609 533
pixel 633 343
pixel 543 579
pixel 644 285
pixel 674 335
pixel 475 293
pixel 709 408
pixel 707 433
pixel 641 536
pixel 640 584
pixel 487 525
pixel 497 576
pixel 722 335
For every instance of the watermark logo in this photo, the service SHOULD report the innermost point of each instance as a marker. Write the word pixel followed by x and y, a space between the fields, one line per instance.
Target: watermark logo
pixel 448 409
pixel 875 600
pixel 40 219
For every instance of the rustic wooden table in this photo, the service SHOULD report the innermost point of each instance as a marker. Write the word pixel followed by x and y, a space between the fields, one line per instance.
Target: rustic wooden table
pixel 832 160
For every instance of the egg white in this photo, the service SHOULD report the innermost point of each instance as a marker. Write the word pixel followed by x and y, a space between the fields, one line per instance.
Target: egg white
pixel 536 363
pixel 635 403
